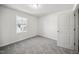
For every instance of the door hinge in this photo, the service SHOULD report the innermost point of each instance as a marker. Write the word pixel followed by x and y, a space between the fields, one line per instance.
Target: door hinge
pixel 74 44
pixel 74 29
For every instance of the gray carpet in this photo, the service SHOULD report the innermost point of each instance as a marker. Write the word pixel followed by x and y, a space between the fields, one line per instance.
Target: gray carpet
pixel 35 45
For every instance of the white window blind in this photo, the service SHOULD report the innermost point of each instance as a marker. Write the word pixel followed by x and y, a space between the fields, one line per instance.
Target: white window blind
pixel 21 23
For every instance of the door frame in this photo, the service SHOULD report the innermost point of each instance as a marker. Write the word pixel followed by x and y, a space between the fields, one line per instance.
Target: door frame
pixel 76 28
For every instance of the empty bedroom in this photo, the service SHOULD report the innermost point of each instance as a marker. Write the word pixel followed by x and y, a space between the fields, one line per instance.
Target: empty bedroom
pixel 39 28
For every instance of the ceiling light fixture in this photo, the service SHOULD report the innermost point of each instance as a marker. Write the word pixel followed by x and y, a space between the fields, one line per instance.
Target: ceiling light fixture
pixel 35 5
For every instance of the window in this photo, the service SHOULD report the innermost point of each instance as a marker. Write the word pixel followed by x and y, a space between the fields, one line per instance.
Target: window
pixel 21 23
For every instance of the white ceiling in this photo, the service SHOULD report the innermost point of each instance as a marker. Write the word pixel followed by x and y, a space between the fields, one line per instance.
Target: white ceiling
pixel 43 9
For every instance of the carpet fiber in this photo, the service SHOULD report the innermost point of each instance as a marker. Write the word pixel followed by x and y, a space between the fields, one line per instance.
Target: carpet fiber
pixel 35 45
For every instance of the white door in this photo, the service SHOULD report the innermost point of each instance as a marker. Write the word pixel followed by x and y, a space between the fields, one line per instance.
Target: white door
pixel 66 30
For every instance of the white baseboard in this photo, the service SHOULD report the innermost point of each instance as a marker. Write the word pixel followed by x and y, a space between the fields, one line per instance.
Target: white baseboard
pixel 16 41
pixel 47 36
pixel 8 43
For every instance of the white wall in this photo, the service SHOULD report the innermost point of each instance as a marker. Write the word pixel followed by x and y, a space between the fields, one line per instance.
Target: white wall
pixel 8 26
pixel 48 26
